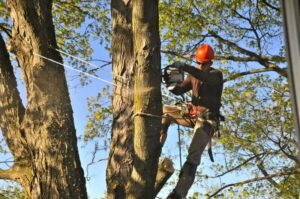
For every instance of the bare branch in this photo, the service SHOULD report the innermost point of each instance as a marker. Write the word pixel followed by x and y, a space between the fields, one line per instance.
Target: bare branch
pixel 237 75
pixel 189 57
pixel 279 174
pixel 253 29
pixel 261 167
pixel 251 54
pixel 243 163
pixel 271 6
pixel 16 172
pixel 6 30
pixel 184 56
pixel 94 153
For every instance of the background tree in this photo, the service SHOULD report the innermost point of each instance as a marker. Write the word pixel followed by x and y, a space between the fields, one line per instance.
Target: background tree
pixel 41 137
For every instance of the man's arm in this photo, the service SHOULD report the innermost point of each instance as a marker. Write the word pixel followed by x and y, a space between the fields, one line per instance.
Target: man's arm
pixel 212 77
pixel 182 87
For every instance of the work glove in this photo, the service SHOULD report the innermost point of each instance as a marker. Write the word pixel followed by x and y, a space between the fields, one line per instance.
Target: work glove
pixel 179 65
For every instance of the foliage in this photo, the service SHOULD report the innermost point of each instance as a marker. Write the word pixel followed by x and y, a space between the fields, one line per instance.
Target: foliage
pixel 11 191
pixel 78 24
pixel 251 25
pixel 258 135
pixel 100 118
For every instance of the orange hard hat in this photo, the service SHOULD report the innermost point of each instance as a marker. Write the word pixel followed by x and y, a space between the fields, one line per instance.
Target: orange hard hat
pixel 204 53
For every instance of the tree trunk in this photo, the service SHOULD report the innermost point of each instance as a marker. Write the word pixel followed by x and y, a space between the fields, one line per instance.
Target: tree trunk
pixel 120 159
pixel 147 98
pixel 45 131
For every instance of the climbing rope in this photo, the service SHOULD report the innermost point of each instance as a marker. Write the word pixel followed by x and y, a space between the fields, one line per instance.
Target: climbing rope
pixel 179 143
pixel 74 69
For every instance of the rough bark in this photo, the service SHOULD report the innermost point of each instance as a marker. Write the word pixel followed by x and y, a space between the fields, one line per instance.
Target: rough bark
pixel 47 127
pixel 120 159
pixel 147 98
pixel 11 115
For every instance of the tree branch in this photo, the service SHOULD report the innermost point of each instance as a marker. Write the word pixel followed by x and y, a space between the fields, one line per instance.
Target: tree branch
pixel 189 57
pixel 261 167
pixel 243 163
pixel 16 172
pixel 251 54
pixel 283 173
pixel 271 6
pixel 94 153
pixel 11 108
pixel 184 56
pixel 6 30
pixel 253 29
pixel 8 174
pixel 237 75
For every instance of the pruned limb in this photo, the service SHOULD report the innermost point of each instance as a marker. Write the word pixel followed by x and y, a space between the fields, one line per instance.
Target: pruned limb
pixel 279 174
pixel 164 172
pixel 7 174
pixel 16 172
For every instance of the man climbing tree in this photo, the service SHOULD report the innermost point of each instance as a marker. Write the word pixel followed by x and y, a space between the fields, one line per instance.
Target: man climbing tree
pixel 202 113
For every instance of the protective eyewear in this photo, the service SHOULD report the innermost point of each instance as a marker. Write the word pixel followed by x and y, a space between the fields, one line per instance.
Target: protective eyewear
pixel 199 63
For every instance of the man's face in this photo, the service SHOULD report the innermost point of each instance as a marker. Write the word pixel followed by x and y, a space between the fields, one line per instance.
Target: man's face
pixel 203 65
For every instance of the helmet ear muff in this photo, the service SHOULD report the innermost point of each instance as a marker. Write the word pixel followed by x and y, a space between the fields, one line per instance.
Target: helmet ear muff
pixel 204 53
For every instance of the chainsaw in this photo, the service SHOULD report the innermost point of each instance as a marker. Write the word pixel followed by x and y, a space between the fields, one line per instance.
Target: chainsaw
pixel 171 76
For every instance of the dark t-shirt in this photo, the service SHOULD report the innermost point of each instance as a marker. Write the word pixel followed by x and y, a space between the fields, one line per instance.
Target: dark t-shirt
pixel 206 88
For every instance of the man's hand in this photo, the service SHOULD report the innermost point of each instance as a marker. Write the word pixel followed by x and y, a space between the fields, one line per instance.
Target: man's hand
pixel 178 65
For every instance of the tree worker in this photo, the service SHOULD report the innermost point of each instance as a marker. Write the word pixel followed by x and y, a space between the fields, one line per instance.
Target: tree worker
pixel 202 113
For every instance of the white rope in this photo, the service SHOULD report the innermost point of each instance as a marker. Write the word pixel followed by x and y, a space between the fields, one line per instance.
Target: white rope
pixel 87 63
pixel 80 59
pixel 88 74
pixel 74 69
